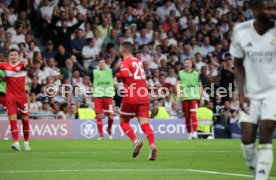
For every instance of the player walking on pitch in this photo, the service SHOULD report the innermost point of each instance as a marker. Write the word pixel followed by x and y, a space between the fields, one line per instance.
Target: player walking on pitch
pixel 103 93
pixel 254 49
pixel 16 98
pixel 135 101
pixel 190 92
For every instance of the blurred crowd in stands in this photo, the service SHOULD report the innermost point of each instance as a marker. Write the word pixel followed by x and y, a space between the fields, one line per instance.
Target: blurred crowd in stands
pixel 164 33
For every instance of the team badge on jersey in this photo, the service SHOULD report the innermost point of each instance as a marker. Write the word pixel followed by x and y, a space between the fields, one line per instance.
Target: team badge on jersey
pixel 273 42
pixel 18 68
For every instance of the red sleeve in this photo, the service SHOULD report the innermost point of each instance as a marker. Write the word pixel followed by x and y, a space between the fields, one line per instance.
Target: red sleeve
pixel 124 71
pixel 22 66
pixel 2 65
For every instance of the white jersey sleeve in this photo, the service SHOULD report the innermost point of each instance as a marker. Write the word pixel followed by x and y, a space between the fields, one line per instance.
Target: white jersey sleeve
pixel 235 48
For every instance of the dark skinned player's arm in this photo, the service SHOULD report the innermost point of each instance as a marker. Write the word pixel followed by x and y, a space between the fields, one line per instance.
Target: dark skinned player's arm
pixel 240 74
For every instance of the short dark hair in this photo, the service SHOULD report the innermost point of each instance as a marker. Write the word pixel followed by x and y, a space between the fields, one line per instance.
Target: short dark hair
pixel 88 40
pixel 13 50
pixel 63 105
pixel 127 46
pixel 101 58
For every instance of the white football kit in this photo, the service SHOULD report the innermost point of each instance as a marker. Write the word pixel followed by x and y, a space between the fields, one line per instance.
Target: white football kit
pixel 259 54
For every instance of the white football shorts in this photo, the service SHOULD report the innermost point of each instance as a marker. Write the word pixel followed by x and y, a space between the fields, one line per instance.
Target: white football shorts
pixel 264 109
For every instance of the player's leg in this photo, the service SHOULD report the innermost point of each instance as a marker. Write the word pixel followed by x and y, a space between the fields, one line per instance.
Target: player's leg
pixel 12 114
pixel 24 112
pixel 143 118
pixel 185 110
pixel 249 124
pixel 193 104
pixel 26 132
pixel 266 127
pixel 265 150
pixel 108 108
pixel 14 131
pixel 248 146
pixel 98 103
pixel 127 111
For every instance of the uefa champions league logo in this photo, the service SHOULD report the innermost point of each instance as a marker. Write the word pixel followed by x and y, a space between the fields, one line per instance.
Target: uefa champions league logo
pixel 88 129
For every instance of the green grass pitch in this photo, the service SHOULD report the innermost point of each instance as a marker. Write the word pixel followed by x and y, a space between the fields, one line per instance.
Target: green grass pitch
pixel 112 159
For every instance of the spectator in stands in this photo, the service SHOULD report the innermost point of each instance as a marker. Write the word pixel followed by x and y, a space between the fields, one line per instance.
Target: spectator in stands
pixel 34 104
pixel 248 13
pixel 73 112
pixel 187 54
pixel 143 39
pixel 174 110
pixel 78 43
pixel 226 115
pixel 68 69
pixel 51 69
pixel 62 55
pixel 206 48
pixel 172 77
pixel 194 47
pixel 32 48
pixel 217 108
pixel 235 101
pixel 46 112
pixel 18 37
pixel 63 33
pixel 64 110
pixel 158 110
pixel 227 74
pixel 89 53
pixel 35 85
pixel 49 52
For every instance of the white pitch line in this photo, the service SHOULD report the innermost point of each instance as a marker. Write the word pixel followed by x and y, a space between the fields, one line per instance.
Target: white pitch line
pixel 108 152
pixel 131 170
pixel 223 173
pixel 92 170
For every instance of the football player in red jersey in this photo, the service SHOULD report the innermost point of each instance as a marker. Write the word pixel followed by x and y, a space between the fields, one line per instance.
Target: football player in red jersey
pixel 135 101
pixel 16 97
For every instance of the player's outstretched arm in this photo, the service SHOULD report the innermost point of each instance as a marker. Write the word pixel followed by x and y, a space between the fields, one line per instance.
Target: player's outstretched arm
pixel 240 79
pixel 80 67
pixel 29 62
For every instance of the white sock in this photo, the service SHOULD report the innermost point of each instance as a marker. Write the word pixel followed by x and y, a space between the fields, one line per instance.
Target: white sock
pixel 250 155
pixel 265 161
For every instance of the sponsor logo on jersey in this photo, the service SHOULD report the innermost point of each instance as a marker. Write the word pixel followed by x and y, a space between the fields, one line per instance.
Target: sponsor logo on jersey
pixel 249 45
pixel 273 42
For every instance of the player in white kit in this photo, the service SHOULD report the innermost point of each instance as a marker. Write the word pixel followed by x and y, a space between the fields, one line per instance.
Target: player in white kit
pixel 254 49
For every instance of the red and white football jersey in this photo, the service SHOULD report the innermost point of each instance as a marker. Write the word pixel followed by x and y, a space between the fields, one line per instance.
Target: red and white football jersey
pixel 134 79
pixel 15 79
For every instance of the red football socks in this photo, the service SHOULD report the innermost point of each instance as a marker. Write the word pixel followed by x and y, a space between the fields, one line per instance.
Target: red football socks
pixel 128 131
pixel 26 130
pixel 14 130
pixel 100 126
pixel 188 125
pixel 110 122
pixel 148 132
pixel 194 123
